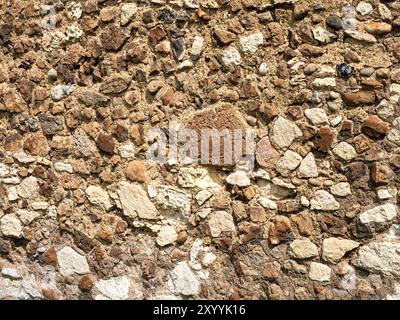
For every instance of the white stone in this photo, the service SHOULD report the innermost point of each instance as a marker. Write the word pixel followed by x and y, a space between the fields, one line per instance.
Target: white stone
pixel 39 205
pixel 341 189
pixel 267 203
pixel 113 289
pixel 197 47
pixel 384 194
pixel 128 10
pixel 394 133
pixel 12 194
pixel 385 109
pixel 319 272
pixel 173 201
pixel 10 226
pixel 202 196
pixel 99 197
pixel 323 200
pixel 238 178
pixel 364 8
pixel 304 201
pixel 71 262
pixel 10 273
pixel 74 10
pixel 360 36
pixel 323 35
pixel 127 151
pixel 183 280
pixel 317 116
pixel 231 58
pixel 333 249
pixel 61 91
pixel 303 249
pixel 250 44
pixel 384 12
pixel 307 167
pixel 190 177
pixel 380 257
pixel 284 132
pixel 63 167
pixel 166 235
pixel 345 151
pixel 135 202
pixel 378 216
pixel 263 69
pixel 219 222
pixel 27 216
pixel 28 188
pixel 23 157
pixel 72 33
pixel 203 213
pixel 289 162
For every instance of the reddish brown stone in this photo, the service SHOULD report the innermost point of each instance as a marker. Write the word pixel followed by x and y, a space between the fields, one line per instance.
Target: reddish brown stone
pixel 50 294
pixel 257 214
pixel 381 173
pixel 325 138
pixel 266 155
pixel 182 236
pixel 359 98
pixel 375 128
pixel 224 37
pixel 157 33
pixel 106 143
pixel 136 171
pixel 303 222
pixel 271 270
pixel 112 37
pixel 12 142
pixel 86 282
pixel 290 205
pixel 280 230
pixel 361 143
pixel 249 231
pixel 50 256
pixel 36 145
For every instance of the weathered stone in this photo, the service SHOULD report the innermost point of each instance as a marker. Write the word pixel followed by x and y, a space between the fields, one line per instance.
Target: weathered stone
pixel 106 143
pixel 71 262
pixel 317 116
pixel 99 197
pixel 284 132
pixel 112 37
pixel 307 167
pixel 344 151
pixel 380 257
pixel 173 201
pixel 231 58
pixel 136 171
pixel 266 155
pixel 239 178
pixel 303 249
pixel 221 222
pixel 341 189
pixel 250 44
pixel 135 202
pixel 333 249
pixel 166 236
pixel 10 226
pixel 325 139
pixel 359 98
pixel 289 162
pixel 128 10
pixel 280 230
pixel 381 173
pixel 324 201
pixel 28 188
pixel 183 280
pixel 319 272
pixel 112 289
pixel 378 218
pixel 375 127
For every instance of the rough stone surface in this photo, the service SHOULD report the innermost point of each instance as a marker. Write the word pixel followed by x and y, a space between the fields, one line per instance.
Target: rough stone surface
pixel 333 249
pixel 71 262
pixel 303 249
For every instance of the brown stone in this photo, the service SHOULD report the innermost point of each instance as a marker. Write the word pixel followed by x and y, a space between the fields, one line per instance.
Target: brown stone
pixel 36 145
pixel 249 231
pixel 136 171
pixel 289 205
pixel 14 103
pixel 224 37
pixel 376 153
pixel 226 119
pixel 105 143
pixel 280 230
pixel 266 155
pixel 257 214
pixel 239 210
pixel 105 233
pixel 50 256
pixel 86 282
pixel 112 37
pixel 136 51
pixel 359 98
pixel 381 173
pixel 50 294
pixel 361 143
pixel 304 223
pixel 271 270
pixel 378 28
pixel 182 237
pixel 12 142
pixel 325 138
pixel 156 34
pixel 375 128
